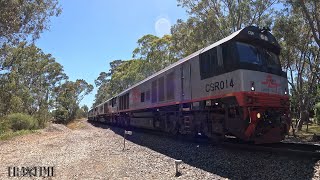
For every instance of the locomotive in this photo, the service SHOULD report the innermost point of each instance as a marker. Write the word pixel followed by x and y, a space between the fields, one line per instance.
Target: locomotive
pixel 235 87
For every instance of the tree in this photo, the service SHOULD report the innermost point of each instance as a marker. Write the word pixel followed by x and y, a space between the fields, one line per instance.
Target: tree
pixel 126 75
pixel 29 78
pixel 310 11
pixel 300 57
pixel 24 18
pixel 212 20
pixel 28 81
pixel 157 53
pixel 82 112
pixel 68 97
pixel 103 83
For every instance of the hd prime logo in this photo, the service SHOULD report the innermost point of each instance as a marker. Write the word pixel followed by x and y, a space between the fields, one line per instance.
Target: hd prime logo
pixel 37 171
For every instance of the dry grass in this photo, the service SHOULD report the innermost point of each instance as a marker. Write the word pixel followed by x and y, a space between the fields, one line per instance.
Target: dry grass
pixel 76 124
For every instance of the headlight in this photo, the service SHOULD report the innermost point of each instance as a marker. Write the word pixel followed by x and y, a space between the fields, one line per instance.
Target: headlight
pixel 258 115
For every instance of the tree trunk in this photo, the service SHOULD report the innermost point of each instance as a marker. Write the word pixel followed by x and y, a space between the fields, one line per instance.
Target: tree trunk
pixel 304 117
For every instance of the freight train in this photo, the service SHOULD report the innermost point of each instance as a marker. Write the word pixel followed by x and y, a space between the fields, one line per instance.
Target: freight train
pixel 235 87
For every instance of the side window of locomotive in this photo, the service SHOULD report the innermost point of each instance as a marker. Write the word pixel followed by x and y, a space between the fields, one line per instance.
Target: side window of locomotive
pixel 170 86
pixel 208 63
pixel 142 97
pixel 154 91
pixel 229 61
pixel 161 89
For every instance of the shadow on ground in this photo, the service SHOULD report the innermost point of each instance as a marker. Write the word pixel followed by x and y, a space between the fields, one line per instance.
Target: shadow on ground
pixel 225 162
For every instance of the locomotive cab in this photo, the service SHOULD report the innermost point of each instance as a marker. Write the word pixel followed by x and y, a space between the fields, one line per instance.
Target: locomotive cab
pixel 263 97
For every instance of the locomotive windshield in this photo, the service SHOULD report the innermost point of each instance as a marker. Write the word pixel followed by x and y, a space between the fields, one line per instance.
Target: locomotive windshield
pixel 263 58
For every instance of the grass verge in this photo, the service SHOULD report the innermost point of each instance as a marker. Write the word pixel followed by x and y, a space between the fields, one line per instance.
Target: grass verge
pixel 307 135
pixel 10 134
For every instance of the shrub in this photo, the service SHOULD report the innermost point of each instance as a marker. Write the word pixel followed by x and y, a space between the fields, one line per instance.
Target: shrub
pixel 21 121
pixel 4 126
pixel 80 113
pixel 61 116
pixel 317 112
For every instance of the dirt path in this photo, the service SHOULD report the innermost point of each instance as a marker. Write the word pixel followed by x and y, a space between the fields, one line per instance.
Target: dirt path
pixel 86 153
pixel 96 153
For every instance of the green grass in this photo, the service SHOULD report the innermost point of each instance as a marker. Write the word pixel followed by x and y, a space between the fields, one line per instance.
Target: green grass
pixel 10 134
pixel 307 135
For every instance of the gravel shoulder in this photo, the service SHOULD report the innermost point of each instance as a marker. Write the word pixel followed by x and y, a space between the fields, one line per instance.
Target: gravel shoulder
pixel 95 152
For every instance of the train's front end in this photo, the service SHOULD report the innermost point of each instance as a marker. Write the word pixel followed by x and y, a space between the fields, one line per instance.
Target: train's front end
pixel 263 98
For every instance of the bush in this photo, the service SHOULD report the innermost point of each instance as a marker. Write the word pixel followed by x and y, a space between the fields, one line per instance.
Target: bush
pixel 61 116
pixel 21 121
pixel 80 114
pixel 317 112
pixel 4 126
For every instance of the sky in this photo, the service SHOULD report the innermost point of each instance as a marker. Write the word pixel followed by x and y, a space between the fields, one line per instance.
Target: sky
pixel 89 34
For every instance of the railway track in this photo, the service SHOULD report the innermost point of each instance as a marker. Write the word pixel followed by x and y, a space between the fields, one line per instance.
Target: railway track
pixel 289 149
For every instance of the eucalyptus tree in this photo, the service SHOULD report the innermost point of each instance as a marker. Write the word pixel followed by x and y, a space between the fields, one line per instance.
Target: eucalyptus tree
pixel 297 29
pixel 23 20
pixel 157 53
pixel 211 20
pixel 28 80
pixel 68 96
pixel 103 83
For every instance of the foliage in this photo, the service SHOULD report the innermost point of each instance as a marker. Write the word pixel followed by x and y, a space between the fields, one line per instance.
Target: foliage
pixel 103 83
pixel 157 53
pixel 24 18
pixel 60 115
pixel 68 97
pixel 119 78
pixel 300 54
pixel 212 20
pixel 19 121
pixel 28 82
pixel 32 82
pixel 317 112
pixel 82 112
pixel 4 125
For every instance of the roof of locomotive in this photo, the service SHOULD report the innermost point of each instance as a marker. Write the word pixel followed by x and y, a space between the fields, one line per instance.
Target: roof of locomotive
pixel 228 38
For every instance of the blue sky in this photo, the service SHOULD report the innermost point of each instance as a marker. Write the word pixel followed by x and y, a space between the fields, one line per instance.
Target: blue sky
pixel 90 34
